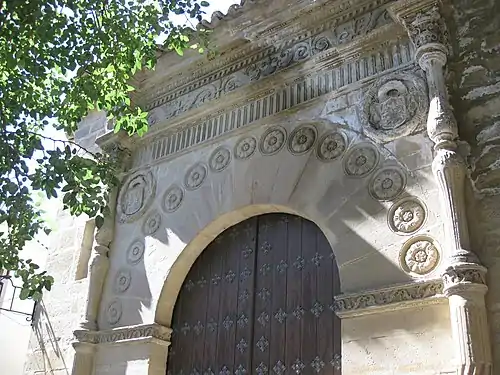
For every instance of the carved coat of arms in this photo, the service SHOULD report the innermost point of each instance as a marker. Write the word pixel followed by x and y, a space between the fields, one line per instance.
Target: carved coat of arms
pixel 136 195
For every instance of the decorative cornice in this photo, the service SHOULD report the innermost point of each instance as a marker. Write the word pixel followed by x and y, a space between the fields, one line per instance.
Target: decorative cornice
pixel 389 299
pixel 146 332
pixel 279 98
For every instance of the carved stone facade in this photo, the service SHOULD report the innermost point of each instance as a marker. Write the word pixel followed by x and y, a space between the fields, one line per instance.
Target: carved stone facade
pixel 336 111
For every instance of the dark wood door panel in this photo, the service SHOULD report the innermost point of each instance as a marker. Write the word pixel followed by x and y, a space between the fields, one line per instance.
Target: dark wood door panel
pixel 257 301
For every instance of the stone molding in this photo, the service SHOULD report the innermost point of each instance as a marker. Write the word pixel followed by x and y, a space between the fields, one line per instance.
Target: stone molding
pixel 321 18
pixel 389 299
pixel 355 69
pixel 123 335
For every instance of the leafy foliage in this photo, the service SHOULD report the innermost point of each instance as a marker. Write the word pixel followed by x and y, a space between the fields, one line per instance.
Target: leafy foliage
pixel 60 59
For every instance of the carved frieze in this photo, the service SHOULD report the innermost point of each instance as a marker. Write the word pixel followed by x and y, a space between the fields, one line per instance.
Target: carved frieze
pixel 279 99
pixel 272 61
pixel 420 255
pixel 392 298
pixel 394 106
pixel 124 334
pixel 135 196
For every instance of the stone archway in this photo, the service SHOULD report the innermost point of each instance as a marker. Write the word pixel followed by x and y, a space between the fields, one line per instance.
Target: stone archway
pixel 259 300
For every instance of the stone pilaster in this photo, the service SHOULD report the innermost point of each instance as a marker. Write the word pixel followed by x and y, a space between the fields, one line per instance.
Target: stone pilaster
pixel 83 362
pixel 464 278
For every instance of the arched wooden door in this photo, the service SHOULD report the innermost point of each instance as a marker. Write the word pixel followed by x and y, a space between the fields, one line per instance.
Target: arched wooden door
pixel 259 301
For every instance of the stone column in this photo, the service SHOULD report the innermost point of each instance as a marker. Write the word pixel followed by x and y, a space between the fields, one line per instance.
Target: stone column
pixel 83 363
pixel 464 278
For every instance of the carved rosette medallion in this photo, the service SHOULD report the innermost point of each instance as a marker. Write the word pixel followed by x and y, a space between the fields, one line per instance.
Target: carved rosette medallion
pixel 387 183
pixel 245 148
pixel 302 140
pixel 135 197
pixel 114 311
pixel 407 216
pixel 419 256
pixel 135 252
pixel 394 106
pixel 361 160
pixel 122 280
pixel 172 199
pixel 331 146
pixel 220 159
pixel 272 141
pixel 151 224
pixel 195 176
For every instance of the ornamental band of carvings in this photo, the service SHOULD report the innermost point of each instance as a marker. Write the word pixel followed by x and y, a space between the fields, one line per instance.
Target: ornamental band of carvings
pixel 407 216
pixel 392 298
pixel 394 106
pixel 277 100
pixel 270 62
pixel 419 256
pixel 116 335
pixel 135 197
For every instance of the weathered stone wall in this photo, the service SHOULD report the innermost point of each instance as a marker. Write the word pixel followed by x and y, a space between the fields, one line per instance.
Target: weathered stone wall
pixel 50 350
pixel 474 77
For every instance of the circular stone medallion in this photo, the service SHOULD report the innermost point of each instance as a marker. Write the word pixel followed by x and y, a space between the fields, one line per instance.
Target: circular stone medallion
pixel 114 312
pixel 220 159
pixel 245 148
pixel 195 176
pixel 136 195
pixel 331 146
pixel 272 141
pixel 406 216
pixel 172 199
pixel 419 256
pixel 302 140
pixel 135 252
pixel 361 160
pixel 152 223
pixel 387 183
pixel 122 280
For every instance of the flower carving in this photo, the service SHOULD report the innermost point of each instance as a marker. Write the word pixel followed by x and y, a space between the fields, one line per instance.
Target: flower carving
pixel 331 146
pixel 172 198
pixel 407 216
pixel 195 176
pixel 220 159
pixel 152 223
pixel 302 140
pixel 114 312
pixel 272 140
pixel 419 256
pixel 135 252
pixel 122 280
pixel 387 184
pixel 245 148
pixel 361 161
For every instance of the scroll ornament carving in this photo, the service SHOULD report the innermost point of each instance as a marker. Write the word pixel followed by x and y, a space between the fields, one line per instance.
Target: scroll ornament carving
pixel 136 196
pixel 220 159
pixel 419 256
pixel 387 183
pixel 135 252
pixel 122 280
pixel 114 311
pixel 124 334
pixel 455 275
pixel 331 146
pixel 394 106
pixel 152 223
pixel 428 28
pixel 245 148
pixel 272 141
pixel 410 293
pixel 407 216
pixel 361 160
pixel 302 140
pixel 195 176
pixel 172 199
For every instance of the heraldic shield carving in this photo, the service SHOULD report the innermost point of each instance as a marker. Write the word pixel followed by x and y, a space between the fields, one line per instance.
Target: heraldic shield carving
pixel 394 106
pixel 135 197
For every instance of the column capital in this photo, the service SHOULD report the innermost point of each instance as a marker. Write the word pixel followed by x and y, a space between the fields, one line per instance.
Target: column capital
pixel 465 278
